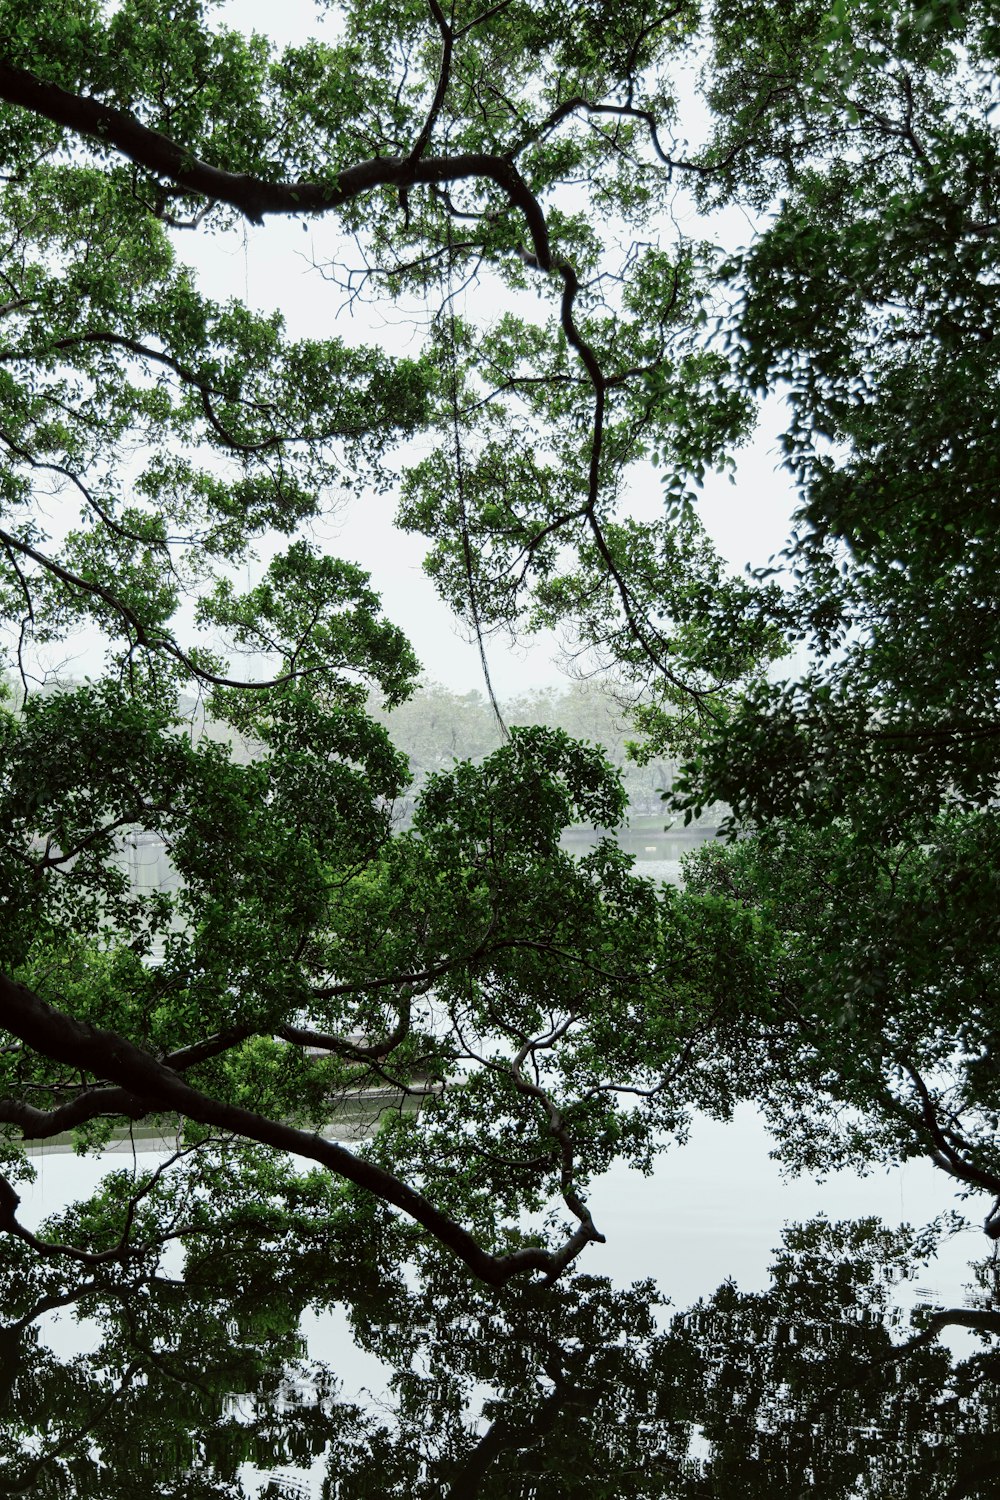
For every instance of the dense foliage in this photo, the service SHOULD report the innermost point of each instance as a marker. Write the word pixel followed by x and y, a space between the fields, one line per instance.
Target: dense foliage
pixel 177 1383
pixel 870 783
pixel 302 950
pixel 549 1014
pixel 436 727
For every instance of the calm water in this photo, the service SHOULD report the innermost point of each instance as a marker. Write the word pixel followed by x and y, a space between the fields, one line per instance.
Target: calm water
pixel 417 1394
pixel 252 1379
pixel 657 852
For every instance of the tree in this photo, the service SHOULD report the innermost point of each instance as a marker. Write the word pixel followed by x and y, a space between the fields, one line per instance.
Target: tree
pixel 871 783
pixel 309 950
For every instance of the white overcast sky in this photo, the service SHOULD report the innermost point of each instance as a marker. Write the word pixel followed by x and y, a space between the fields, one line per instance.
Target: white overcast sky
pixel 271 267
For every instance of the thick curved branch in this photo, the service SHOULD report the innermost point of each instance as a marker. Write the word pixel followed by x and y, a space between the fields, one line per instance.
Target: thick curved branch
pixel 119 130
pixel 303 1036
pixel 62 1038
pixel 579 104
pixel 212 1046
pixel 91 1104
pixel 444 77
pixel 976 1319
pixel 102 1102
pixel 945 1156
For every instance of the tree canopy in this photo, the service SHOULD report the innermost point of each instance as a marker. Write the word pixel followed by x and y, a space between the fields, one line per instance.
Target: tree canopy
pixel 820 1381
pixel 518 173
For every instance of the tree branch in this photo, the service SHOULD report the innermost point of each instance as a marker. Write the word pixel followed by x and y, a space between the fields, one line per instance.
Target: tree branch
pixel 119 130
pixel 140 1076
pixel 444 76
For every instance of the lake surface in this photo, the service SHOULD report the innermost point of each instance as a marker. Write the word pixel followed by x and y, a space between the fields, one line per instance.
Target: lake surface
pixel 255 1377
pixel 436 1387
pixel 657 850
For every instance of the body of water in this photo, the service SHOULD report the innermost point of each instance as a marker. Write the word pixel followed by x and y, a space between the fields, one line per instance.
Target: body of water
pixel 451 1391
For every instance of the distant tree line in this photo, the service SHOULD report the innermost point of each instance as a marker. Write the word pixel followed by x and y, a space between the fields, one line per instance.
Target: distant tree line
pixel 436 727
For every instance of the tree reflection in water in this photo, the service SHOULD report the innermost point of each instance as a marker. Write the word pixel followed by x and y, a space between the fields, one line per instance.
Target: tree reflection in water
pixel 822 1384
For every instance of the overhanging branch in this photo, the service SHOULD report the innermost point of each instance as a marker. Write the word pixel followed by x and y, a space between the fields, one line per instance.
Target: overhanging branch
pixel 120 131
pixel 62 1038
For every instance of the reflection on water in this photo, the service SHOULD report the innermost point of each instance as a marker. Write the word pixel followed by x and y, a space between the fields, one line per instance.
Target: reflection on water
pixel 259 1341
pixel 203 1386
